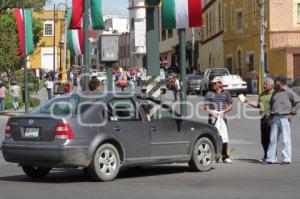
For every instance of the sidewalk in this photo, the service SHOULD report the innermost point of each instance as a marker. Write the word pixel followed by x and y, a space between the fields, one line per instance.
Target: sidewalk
pixel 42 95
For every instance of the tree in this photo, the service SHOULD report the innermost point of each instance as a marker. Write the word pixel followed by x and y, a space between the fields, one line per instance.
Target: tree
pixel 35 4
pixel 9 61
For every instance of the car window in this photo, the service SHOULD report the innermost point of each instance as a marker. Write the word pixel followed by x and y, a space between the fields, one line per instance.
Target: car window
pixel 296 83
pixel 122 110
pixel 58 106
pixel 157 111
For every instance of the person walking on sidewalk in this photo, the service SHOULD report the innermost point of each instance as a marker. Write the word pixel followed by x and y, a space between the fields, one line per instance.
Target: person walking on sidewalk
pixel 217 104
pixel 15 91
pixel 264 105
pixel 132 84
pixel 2 97
pixel 283 105
pixel 49 86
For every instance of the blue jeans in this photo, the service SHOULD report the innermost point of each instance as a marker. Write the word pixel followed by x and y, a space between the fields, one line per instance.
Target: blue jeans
pixel 2 104
pixel 280 124
pixel 254 86
pixel 16 103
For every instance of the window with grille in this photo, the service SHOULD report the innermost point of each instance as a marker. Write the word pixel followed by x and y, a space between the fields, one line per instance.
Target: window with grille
pixel 48 29
pixel 298 13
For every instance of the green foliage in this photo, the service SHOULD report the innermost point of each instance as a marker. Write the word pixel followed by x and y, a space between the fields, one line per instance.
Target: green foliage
pixel 9 41
pixel 9 104
pixel 35 4
pixel 34 102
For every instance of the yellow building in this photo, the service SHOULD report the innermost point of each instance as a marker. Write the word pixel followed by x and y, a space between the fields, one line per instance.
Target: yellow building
pixel 282 40
pixel 42 58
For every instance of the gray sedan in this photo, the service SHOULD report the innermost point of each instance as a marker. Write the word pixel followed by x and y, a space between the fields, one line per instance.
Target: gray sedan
pixel 103 132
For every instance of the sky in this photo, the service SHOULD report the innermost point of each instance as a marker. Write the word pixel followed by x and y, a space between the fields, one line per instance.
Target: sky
pixel 110 7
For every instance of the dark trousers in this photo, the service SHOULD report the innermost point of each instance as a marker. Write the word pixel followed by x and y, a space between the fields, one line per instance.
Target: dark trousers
pixel 175 92
pixel 225 155
pixel 265 130
pixel 49 92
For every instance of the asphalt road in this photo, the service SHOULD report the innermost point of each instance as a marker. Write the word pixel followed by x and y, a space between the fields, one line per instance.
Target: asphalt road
pixel 245 178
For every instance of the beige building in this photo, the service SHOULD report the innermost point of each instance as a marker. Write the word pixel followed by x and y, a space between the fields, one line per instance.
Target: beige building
pixel 42 58
pixel 211 46
pixel 282 40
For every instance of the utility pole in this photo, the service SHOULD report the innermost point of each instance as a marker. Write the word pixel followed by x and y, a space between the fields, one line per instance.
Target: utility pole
pixel 182 66
pixel 54 50
pixel 261 4
pixel 86 59
pixel 26 96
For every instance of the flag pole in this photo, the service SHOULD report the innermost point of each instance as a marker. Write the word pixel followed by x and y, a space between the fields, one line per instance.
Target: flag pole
pixel 25 61
pixel 86 46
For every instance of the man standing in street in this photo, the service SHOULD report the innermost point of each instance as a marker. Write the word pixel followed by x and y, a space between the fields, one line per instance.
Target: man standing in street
pixel 283 105
pixel 217 104
pixel 49 86
pixel 15 91
pixel 264 105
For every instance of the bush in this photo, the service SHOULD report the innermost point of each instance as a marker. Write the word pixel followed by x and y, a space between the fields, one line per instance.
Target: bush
pixel 9 104
pixel 34 102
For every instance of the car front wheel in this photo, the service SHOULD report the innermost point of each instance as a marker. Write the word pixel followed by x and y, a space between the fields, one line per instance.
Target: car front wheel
pixel 35 172
pixel 203 156
pixel 105 164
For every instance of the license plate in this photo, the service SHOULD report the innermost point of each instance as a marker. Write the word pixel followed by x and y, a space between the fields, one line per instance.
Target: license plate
pixel 31 132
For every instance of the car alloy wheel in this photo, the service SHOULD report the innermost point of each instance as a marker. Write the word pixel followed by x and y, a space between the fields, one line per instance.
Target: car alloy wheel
pixel 105 164
pixel 203 157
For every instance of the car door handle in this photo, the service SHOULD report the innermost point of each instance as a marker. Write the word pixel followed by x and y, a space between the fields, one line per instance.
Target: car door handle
pixel 117 128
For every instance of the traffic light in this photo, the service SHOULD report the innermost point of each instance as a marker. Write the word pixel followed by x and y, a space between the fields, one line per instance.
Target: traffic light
pixel 152 3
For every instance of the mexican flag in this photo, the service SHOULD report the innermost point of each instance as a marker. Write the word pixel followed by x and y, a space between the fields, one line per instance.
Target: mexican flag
pixel 75 38
pixel 97 14
pixel 95 8
pixel 24 32
pixel 181 14
pixel 77 14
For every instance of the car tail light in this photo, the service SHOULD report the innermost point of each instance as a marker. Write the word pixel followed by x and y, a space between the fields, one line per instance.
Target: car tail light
pixel 63 131
pixel 244 84
pixel 8 130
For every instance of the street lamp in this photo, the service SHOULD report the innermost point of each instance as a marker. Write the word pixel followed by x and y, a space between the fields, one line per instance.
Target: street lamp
pixel 55 11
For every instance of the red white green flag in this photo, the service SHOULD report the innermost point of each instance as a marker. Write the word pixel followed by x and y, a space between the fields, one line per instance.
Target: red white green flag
pixel 181 14
pixel 97 21
pixel 24 33
pixel 77 11
pixel 75 38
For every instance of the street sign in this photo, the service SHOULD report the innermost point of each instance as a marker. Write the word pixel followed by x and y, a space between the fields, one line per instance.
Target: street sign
pixel 109 48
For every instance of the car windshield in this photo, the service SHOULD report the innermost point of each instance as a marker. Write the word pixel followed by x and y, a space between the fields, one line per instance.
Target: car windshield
pixel 219 72
pixel 194 77
pixel 296 83
pixel 64 105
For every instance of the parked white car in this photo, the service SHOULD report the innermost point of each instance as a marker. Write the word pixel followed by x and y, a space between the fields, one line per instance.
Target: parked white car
pixel 101 76
pixel 234 84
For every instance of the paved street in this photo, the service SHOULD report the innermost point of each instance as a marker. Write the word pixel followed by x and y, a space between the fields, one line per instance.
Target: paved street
pixel 245 178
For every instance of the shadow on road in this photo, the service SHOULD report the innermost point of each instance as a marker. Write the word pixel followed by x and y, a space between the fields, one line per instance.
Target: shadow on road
pixel 253 161
pixel 77 175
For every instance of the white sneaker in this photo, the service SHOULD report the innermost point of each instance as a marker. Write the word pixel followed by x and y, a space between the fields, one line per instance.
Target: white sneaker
pixel 227 160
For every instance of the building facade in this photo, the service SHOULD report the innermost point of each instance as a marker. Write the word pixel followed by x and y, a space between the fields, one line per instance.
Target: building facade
pixel 42 58
pixel 242 31
pixel 211 46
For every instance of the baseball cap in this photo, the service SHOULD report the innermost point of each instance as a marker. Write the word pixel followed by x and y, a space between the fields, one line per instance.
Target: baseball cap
pixel 280 78
pixel 216 79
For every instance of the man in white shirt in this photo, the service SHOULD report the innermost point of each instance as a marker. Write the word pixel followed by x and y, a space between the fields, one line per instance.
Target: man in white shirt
pixel 49 86
pixel 15 92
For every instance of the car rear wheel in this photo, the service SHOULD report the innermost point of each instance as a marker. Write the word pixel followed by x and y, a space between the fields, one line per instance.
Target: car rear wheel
pixel 35 172
pixel 203 156
pixel 105 164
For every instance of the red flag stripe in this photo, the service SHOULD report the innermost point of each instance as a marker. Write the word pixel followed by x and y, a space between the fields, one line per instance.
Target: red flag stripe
pixel 81 40
pixel 195 13
pixel 19 20
pixel 77 12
